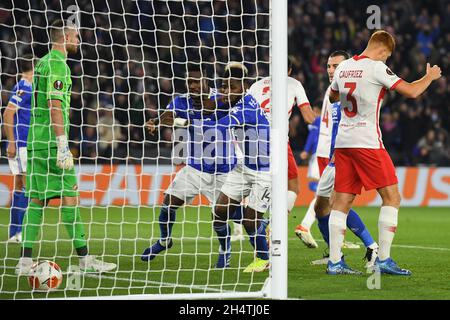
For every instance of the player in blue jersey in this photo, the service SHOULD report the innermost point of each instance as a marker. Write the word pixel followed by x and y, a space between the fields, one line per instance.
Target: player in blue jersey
pixel 16 123
pixel 326 185
pixel 209 160
pixel 251 178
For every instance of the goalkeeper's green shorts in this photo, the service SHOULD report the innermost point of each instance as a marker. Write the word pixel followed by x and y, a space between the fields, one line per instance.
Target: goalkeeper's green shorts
pixel 45 180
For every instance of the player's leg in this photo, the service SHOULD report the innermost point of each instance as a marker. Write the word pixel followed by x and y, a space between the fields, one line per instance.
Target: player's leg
pixel 254 223
pixel 35 191
pixel 235 188
pixel 182 190
pixel 347 185
pixel 303 230
pixel 387 226
pixel 167 217
pixel 71 218
pixel 292 180
pixel 19 200
pixel 18 207
pixel 222 210
pixel 377 171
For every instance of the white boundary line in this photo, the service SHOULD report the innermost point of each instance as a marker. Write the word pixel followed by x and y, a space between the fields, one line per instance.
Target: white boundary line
pixel 402 246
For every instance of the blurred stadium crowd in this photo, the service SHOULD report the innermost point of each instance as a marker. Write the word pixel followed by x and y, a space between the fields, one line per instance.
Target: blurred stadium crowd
pixel 133 55
pixel 415 132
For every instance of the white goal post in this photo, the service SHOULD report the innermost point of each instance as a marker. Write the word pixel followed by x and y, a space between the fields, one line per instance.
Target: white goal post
pixel 125 72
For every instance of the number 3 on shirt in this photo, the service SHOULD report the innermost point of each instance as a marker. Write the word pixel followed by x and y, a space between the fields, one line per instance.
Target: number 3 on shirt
pixel 351 98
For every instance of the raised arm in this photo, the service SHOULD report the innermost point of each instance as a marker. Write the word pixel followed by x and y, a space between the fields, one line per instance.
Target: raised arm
pixel 416 88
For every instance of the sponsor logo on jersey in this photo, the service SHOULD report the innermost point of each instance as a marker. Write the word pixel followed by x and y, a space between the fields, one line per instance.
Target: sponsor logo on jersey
pixel 58 85
pixel 389 72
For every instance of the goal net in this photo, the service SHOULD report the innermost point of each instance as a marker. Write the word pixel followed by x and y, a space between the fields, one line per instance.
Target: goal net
pixel 132 62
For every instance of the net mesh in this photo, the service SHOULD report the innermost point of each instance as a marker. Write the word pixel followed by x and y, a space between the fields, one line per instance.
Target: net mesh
pixel 130 64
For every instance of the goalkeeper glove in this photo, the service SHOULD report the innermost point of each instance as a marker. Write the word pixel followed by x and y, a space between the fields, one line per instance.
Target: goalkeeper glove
pixel 64 158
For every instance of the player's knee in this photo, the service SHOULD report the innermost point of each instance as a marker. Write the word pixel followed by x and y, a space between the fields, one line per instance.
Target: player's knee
pixel 322 207
pixel 392 199
pixel 293 185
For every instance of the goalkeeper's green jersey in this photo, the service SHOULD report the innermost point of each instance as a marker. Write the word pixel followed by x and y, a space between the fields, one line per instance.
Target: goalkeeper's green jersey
pixel 51 81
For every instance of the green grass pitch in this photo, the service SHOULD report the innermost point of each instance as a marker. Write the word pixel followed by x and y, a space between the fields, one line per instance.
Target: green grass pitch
pixel 119 235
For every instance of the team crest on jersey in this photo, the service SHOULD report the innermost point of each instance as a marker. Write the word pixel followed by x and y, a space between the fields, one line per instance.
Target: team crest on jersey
pixel 389 72
pixel 20 93
pixel 58 85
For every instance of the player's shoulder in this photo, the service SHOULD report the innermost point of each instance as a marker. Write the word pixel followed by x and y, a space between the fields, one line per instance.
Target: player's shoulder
pixel 24 85
pixel 292 82
pixel 180 100
pixel 259 84
pixel 249 101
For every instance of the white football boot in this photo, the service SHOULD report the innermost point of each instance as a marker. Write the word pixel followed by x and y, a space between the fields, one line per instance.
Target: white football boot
pixel 90 264
pixel 23 268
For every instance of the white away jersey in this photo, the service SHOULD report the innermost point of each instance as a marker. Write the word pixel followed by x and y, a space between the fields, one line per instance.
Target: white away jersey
pixel 326 124
pixel 260 90
pixel 362 84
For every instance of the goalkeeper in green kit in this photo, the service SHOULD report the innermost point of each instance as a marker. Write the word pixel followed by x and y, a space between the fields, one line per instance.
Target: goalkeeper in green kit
pixel 50 167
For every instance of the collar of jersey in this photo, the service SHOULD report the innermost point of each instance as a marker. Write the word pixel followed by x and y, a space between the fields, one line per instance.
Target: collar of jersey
pixel 58 54
pixel 356 57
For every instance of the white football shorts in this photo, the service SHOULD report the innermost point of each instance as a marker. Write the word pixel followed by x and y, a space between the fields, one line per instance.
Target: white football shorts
pixel 190 182
pixel 326 182
pixel 313 168
pixel 18 165
pixel 244 182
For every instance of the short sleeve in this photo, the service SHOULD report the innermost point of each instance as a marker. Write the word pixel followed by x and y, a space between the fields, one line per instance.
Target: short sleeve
pixel 179 107
pixel 384 76
pixel 236 116
pixel 57 80
pixel 300 95
pixel 16 96
pixel 334 84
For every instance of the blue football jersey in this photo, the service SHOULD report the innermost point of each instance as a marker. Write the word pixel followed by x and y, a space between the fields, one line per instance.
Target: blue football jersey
pixel 209 150
pixel 21 97
pixel 251 125
pixel 313 136
pixel 336 118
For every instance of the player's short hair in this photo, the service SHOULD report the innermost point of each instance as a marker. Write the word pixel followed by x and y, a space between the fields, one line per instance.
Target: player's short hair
pixel 195 67
pixel 25 63
pixel 57 30
pixel 384 38
pixel 340 53
pixel 235 69
pixel 290 63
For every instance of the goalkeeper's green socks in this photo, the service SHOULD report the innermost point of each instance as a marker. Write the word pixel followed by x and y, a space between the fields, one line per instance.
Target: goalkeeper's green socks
pixel 31 225
pixel 74 226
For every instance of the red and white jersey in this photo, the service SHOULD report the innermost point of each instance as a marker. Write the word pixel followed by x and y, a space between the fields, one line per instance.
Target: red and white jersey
pixel 362 84
pixel 260 90
pixel 326 124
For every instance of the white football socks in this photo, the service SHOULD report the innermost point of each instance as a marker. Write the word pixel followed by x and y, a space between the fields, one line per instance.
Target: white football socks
pixel 292 196
pixel 387 225
pixel 310 216
pixel 337 226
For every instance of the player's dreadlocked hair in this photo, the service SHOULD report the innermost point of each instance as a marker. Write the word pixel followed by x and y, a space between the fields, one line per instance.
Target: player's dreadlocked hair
pixel 235 69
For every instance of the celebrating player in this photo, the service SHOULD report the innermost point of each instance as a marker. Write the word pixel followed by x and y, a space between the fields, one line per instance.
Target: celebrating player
pixel 251 178
pixel 17 120
pixel 208 162
pixel 361 160
pixel 50 168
